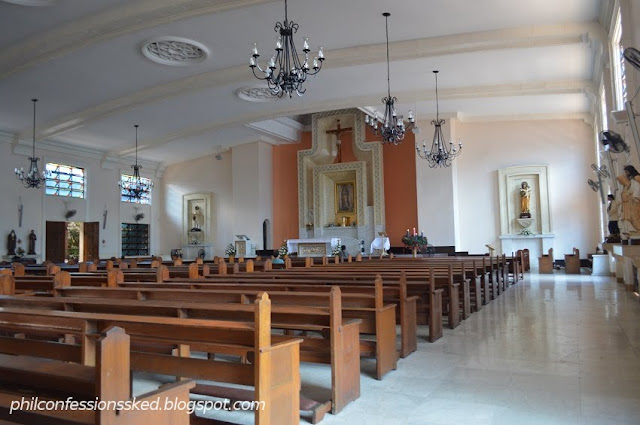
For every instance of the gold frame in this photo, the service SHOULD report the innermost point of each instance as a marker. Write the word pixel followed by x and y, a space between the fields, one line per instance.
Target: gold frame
pixel 354 200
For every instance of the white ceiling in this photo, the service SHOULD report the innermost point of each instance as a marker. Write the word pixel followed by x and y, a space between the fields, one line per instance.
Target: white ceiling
pixel 497 59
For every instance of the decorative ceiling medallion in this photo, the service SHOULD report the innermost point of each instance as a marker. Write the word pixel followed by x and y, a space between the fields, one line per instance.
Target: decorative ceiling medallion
pixel 174 51
pixel 32 2
pixel 256 94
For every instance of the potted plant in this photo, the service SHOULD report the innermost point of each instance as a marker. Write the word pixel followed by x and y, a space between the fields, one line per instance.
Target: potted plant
pixel 230 252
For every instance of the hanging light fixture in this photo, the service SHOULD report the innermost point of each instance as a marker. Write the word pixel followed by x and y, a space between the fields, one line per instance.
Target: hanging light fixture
pixel 135 187
pixel 34 178
pixel 392 127
pixel 290 74
pixel 441 153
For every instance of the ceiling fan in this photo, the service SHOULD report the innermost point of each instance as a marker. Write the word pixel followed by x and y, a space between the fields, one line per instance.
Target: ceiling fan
pixel 602 173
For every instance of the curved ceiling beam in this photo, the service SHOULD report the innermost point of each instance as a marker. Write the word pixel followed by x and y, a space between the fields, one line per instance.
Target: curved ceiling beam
pixel 135 16
pixel 524 37
pixel 502 90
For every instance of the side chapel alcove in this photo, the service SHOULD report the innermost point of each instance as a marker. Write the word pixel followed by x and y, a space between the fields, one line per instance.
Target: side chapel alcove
pixel 197 223
pixel 538 237
pixel 340 181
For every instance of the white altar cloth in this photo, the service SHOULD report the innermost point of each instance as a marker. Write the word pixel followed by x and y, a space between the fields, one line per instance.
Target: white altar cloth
pixel 380 243
pixel 292 244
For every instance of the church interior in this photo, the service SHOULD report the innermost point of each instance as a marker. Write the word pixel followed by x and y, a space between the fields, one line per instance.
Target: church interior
pixel 420 214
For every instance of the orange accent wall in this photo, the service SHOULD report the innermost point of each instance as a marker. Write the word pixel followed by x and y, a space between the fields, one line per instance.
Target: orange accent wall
pixel 400 191
pixel 285 190
pixel 346 140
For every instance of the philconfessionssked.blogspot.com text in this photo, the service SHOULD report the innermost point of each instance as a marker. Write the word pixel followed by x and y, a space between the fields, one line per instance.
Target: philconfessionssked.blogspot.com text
pixel 35 404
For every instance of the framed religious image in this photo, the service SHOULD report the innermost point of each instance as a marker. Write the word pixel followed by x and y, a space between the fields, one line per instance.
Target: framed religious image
pixel 345 194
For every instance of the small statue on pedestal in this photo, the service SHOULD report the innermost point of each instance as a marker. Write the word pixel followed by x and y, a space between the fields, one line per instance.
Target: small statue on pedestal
pixel 11 243
pixel 32 243
pixel 525 200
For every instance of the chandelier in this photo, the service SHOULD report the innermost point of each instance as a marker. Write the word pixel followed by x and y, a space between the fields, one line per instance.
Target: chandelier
pixel 34 178
pixel 284 72
pixel 135 187
pixel 441 153
pixel 393 128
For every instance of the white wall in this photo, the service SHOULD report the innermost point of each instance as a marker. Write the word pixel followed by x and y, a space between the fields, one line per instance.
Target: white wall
pixel 101 190
pixel 205 174
pixel 252 189
pixel 242 195
pixel 565 145
pixel 435 189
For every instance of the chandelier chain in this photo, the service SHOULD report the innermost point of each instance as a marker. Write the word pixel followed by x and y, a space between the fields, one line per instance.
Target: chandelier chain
pixel 388 66
pixel 441 154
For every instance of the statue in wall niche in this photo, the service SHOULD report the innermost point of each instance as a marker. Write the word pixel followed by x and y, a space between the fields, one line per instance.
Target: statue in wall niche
pixel 11 243
pixel 629 221
pixel 32 243
pixel 197 219
pixel 525 200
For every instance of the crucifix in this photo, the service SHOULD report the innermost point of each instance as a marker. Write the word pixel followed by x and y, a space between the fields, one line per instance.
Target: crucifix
pixel 338 131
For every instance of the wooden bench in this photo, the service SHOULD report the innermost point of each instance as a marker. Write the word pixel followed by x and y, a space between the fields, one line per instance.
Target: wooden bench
pixel 393 293
pixel 274 373
pixel 23 374
pixel 572 262
pixel 545 262
pixel 340 347
pixel 377 318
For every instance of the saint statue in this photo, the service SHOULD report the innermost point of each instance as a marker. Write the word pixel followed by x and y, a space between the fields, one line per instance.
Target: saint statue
pixel 197 218
pixel 525 200
pixel 11 243
pixel 32 243
pixel 629 222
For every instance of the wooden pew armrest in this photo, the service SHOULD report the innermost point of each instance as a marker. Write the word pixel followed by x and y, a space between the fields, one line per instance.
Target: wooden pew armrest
pixel 415 297
pixel 281 345
pixel 167 390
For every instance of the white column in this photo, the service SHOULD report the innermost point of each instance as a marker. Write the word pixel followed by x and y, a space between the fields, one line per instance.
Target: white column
pixel 252 170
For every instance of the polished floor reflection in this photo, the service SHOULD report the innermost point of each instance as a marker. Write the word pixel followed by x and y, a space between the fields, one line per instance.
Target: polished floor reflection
pixel 552 350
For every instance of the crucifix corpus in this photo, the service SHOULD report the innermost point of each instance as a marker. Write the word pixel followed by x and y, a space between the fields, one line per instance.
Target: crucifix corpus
pixel 338 132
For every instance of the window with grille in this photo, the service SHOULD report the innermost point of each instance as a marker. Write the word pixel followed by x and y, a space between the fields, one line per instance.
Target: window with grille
pixel 64 180
pixel 617 59
pixel 127 196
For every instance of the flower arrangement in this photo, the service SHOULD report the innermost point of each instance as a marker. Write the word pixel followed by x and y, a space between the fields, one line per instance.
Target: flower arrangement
pixel 283 250
pixel 336 251
pixel 526 232
pixel 416 241
pixel 230 251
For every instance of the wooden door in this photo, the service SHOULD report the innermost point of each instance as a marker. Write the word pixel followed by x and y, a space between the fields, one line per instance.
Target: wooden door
pixel 91 241
pixel 56 241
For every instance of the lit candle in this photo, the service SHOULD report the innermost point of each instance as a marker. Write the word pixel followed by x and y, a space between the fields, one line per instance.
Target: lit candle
pixel 422 234
pixel 407 232
pixel 414 231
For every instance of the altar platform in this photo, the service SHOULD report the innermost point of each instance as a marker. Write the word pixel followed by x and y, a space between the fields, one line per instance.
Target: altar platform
pixel 315 247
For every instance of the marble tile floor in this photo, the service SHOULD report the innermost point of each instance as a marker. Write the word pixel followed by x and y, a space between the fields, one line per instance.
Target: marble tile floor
pixel 553 350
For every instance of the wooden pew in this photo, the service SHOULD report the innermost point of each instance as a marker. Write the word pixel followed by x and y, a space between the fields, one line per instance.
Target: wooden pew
pixel 545 263
pixel 274 372
pixel 342 351
pixel 572 262
pixel 23 373
pixel 377 318
pixel 395 293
